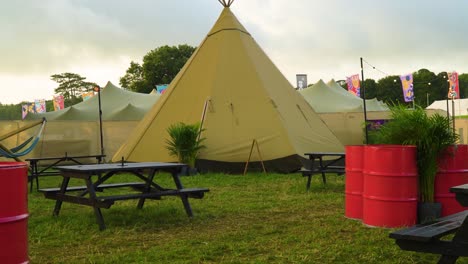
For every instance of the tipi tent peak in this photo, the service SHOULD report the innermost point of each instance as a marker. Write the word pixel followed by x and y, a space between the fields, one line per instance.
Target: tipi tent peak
pixel 241 99
pixel 226 3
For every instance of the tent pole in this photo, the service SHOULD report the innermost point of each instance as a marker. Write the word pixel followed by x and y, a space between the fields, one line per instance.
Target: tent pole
pixel 203 117
pixel 364 103
pixel 250 155
pixel 100 120
pixel 260 156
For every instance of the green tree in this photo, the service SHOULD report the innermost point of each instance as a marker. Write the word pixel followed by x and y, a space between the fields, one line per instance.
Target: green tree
pixel 422 84
pixel 71 85
pixel 439 87
pixel 133 79
pixel 463 84
pixel 10 111
pixel 160 66
pixel 371 89
pixel 389 90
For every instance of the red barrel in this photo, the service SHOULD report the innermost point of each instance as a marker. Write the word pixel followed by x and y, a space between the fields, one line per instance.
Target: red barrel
pixel 13 212
pixel 452 171
pixel 390 185
pixel 353 183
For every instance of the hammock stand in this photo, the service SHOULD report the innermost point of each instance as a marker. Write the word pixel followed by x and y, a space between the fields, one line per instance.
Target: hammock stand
pixel 25 147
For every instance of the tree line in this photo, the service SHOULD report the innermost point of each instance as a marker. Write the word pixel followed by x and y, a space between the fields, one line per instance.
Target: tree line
pixel 427 87
pixel 162 64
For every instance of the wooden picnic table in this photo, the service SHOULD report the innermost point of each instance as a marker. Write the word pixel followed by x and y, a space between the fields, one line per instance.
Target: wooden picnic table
pixel 427 238
pixel 148 188
pixel 322 165
pixel 48 164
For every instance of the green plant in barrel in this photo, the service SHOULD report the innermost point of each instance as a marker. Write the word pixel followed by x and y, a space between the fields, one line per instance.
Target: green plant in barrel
pixel 185 142
pixel 431 135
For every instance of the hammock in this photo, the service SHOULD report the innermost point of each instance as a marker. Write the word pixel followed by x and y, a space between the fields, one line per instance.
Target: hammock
pixel 25 147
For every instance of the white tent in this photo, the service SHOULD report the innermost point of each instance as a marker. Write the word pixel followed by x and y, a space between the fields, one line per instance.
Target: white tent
pixel 460 105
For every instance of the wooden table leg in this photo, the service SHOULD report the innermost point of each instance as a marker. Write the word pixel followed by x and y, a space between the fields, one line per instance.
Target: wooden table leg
pixel 97 210
pixel 33 168
pixel 448 260
pixel 461 236
pixel 324 179
pixel 63 189
pixel 309 179
pixel 147 188
pixel 184 198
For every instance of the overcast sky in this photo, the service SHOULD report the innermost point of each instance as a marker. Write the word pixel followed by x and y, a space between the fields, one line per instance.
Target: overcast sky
pixel 323 39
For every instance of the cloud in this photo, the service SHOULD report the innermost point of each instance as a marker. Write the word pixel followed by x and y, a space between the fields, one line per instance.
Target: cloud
pixel 323 39
pixel 56 34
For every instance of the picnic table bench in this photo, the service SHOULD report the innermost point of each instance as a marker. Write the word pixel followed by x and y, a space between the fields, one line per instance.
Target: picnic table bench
pixel 45 166
pixel 321 165
pixel 148 188
pixel 429 238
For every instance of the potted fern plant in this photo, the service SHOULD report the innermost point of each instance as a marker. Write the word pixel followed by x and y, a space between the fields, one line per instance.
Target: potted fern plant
pixel 185 142
pixel 431 135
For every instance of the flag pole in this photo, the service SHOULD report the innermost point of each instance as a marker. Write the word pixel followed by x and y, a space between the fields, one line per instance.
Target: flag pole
pixel 453 114
pixel 364 102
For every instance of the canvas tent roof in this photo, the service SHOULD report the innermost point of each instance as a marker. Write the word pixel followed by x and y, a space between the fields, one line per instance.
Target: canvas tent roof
pixel 240 96
pixel 332 84
pixel 116 104
pixel 371 104
pixel 325 99
pixel 460 105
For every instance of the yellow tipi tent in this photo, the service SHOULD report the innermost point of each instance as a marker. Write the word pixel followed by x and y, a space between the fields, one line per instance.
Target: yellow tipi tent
pixel 240 97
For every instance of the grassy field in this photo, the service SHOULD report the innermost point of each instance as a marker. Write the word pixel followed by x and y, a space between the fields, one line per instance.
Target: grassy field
pixel 255 218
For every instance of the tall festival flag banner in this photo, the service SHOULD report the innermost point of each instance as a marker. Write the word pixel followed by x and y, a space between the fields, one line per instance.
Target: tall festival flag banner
pixel 24 110
pixel 40 105
pixel 87 95
pixel 28 108
pixel 58 102
pixel 161 88
pixel 354 85
pixel 454 90
pixel 407 85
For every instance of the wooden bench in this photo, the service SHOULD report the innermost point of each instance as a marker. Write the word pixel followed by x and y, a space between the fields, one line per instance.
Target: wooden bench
pixel 334 164
pixel 101 187
pixel 48 169
pixel 427 238
pixel 196 193
pixel 340 170
pixel 153 193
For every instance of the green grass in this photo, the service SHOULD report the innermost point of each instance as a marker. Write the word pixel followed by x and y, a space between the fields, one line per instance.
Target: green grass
pixel 255 218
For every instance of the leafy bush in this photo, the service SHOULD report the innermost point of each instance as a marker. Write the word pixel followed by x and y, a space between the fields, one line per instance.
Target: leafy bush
pixel 430 134
pixel 185 142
